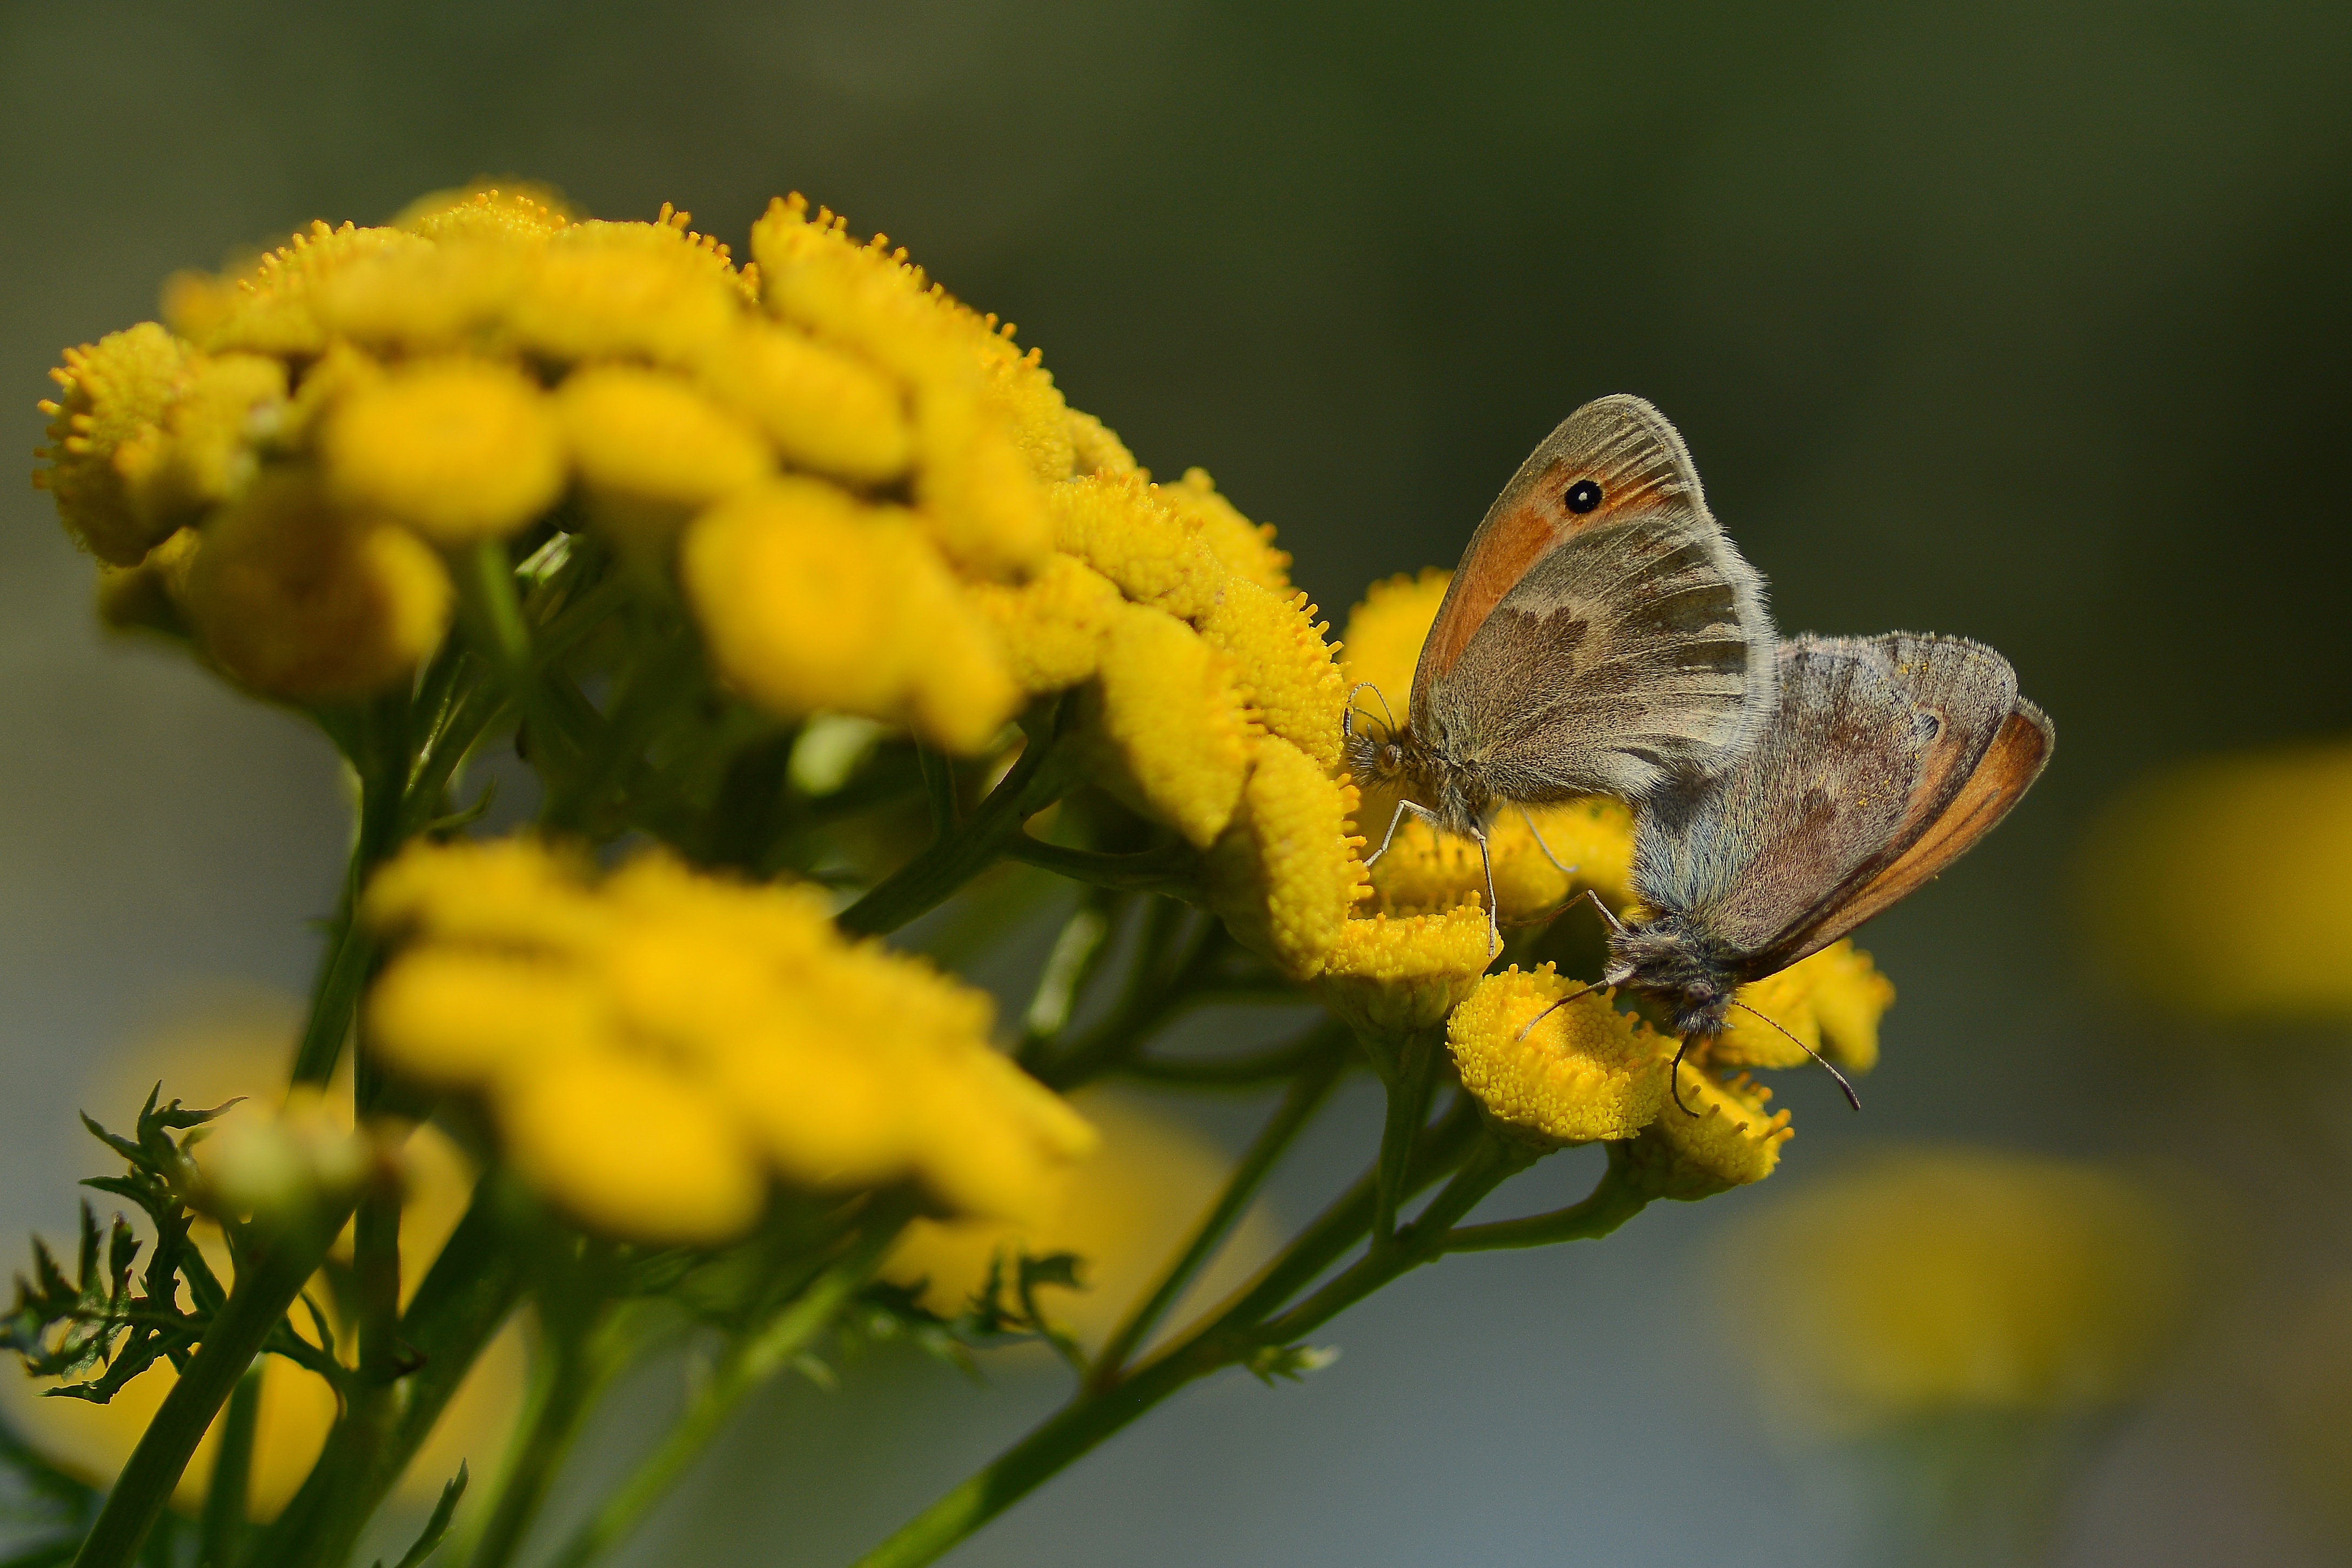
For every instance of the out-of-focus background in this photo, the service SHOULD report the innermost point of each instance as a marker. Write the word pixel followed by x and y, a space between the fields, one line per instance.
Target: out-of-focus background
pixel 2023 320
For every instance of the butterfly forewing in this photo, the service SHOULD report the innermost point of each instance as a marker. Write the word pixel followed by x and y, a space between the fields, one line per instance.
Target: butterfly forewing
pixel 1599 652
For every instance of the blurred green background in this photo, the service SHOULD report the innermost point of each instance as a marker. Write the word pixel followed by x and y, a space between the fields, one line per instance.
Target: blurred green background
pixel 2026 322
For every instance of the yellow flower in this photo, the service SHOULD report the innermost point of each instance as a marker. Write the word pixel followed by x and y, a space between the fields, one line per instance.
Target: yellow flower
pixel 1051 627
pixel 1172 723
pixel 1118 524
pixel 811 601
pixel 299 600
pixel 425 297
pixel 656 1049
pixel 1392 976
pixel 234 1047
pixel 1283 665
pixel 1022 392
pixel 821 409
pixel 1095 448
pixel 1244 548
pixel 650 449
pixel 524 212
pixel 1716 1138
pixel 273 308
pixel 1124 1210
pixel 458 450
pixel 1286 874
pixel 1950 1281
pixel 151 594
pixel 975 488
pixel 1586 1071
pixel 223 405
pixel 2219 886
pixel 1832 1001
pixel 104 425
pixel 865 297
pixel 627 290
pixel 1385 632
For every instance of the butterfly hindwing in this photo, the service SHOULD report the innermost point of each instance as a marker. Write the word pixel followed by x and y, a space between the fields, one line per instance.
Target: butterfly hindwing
pixel 1601 652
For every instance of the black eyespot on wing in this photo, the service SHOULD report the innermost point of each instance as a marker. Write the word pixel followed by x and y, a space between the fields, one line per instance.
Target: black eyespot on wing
pixel 1582 497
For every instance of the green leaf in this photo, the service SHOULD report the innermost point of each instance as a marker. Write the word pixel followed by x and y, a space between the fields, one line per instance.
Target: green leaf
pixel 436 1527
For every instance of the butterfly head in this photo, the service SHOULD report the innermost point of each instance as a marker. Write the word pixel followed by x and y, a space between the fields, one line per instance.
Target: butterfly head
pixel 1672 957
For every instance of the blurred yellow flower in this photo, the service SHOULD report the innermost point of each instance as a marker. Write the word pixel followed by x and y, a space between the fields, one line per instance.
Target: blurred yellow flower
pixel 814 601
pixel 823 409
pixel 299 599
pixel 152 593
pixel 1384 634
pixel 104 427
pixel 272 308
pixel 657 1047
pixel 2219 886
pixel 650 449
pixel 1711 1135
pixel 1832 1001
pixel 458 450
pixel 1286 874
pixel 973 485
pixel 1125 1210
pixel 1390 975
pixel 510 212
pixel 1585 1071
pixel 1954 1279
pixel 1172 723
pixel 627 290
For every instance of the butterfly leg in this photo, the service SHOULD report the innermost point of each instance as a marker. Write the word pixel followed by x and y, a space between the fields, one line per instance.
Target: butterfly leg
pixel 1531 1023
pixel 1494 916
pixel 1388 837
pixel 1563 870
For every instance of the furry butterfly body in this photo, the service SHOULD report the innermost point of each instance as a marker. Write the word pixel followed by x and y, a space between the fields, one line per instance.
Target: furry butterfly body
pixel 1601 637
pixel 1887 758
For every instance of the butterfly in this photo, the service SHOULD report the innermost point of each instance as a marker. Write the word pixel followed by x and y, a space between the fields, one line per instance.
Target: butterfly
pixel 1887 758
pixel 1601 637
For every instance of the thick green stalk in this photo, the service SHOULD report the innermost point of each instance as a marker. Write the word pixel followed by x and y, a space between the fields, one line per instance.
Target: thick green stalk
pixel 255 1306
pixel 1415 1059
pixel 227 1500
pixel 747 1364
pixel 1614 1200
pixel 567 1386
pixel 1307 1096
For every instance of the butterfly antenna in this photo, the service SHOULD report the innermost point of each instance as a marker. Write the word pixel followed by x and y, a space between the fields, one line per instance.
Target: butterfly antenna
pixel 1563 870
pixel 1347 722
pixel 1851 1098
pixel 1547 1011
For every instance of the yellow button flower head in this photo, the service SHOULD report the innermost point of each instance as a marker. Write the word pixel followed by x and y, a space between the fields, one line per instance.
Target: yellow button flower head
pixel 1718 1138
pixel 1119 524
pixel 426 297
pixel 651 449
pixel 628 291
pixel 1586 1071
pixel 2265 837
pixel 299 599
pixel 1095 448
pixel 225 404
pixel 976 490
pixel 458 450
pixel 1832 1001
pixel 656 1049
pixel 1286 874
pixel 1393 975
pixel 514 212
pixel 1021 390
pixel 1172 723
pixel 814 601
pixel 1243 548
pixel 1052 627
pixel 104 427
pixel 1947 1281
pixel 1284 666
pixel 824 410
pixel 273 306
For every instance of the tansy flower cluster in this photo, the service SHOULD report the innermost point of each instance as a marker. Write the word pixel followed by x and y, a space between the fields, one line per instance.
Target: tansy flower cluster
pixel 655 1048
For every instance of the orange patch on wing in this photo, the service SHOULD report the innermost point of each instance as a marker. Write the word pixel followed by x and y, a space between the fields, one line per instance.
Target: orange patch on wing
pixel 1506 547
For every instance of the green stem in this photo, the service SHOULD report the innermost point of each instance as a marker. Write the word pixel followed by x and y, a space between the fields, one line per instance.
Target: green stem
pixel 932 878
pixel 226 1501
pixel 567 1385
pixel 1415 1055
pixel 1174 869
pixel 255 1306
pixel 939 789
pixel 750 1362
pixel 1307 1096
pixel 1613 1202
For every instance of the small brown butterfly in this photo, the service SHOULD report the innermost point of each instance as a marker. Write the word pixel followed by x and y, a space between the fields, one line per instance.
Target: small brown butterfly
pixel 1601 637
pixel 1887 758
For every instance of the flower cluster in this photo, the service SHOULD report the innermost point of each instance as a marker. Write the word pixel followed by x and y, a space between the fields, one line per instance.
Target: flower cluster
pixel 655 1048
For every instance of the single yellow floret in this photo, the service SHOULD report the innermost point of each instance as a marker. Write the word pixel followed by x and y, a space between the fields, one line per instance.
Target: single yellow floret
pixel 1283 664
pixel 975 489
pixel 1244 548
pixel 1831 1002
pixel 821 409
pixel 626 291
pixel 1723 1140
pixel 813 601
pixel 1393 975
pixel 1586 1071
pixel 1119 524
pixel 104 428
pixel 1940 1281
pixel 2219 886
pixel 650 450
pixel 299 599
pixel 1173 722
pixel 1051 627
pixel 459 449
pixel 630 1148
pixel 1286 874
